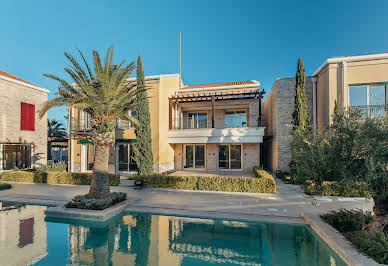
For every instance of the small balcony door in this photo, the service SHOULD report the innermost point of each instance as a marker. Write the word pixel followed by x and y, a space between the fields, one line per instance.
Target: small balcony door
pixel 124 158
pixel 229 157
pixel 194 157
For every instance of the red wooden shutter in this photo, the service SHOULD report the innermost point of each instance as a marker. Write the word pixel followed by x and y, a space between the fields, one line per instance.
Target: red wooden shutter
pixel 27 117
pixel 31 117
pixel 23 116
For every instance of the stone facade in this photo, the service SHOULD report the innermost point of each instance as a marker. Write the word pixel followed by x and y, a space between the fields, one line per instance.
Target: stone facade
pixel 12 94
pixel 277 110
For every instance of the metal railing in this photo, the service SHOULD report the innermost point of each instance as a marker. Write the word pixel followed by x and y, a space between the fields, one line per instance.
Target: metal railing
pixel 372 111
pixel 191 123
pixel 198 123
pixel 85 126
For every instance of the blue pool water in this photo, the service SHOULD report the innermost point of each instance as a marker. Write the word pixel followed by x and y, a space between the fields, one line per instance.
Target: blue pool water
pixel 144 239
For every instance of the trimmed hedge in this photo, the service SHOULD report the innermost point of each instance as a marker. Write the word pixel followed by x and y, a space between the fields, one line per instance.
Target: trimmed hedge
pixel 83 202
pixel 333 188
pixel 55 177
pixel 264 183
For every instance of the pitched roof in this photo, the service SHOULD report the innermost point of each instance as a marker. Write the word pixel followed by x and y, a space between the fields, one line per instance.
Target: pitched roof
pixel 7 75
pixel 222 84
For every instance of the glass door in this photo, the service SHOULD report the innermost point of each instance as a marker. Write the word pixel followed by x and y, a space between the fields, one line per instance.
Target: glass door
pixel 194 156
pixel 229 157
pixel 125 158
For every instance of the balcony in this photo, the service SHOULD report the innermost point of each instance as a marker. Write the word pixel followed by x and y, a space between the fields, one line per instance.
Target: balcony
pixel 201 130
pixel 84 126
pixel 370 111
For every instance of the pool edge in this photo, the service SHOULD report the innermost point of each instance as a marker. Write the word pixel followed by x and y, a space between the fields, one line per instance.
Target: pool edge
pixel 337 241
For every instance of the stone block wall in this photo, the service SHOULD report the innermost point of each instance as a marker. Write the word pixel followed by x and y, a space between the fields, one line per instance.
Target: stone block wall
pixel 278 109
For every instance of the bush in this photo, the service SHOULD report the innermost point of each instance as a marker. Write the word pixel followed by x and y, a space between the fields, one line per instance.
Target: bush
pixel 4 186
pixel 24 176
pixel 263 184
pixel 348 220
pixel 333 188
pixel 373 244
pixel 55 177
pixel 53 167
pixel 83 202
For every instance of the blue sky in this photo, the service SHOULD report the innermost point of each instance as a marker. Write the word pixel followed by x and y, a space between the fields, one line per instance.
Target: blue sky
pixel 222 40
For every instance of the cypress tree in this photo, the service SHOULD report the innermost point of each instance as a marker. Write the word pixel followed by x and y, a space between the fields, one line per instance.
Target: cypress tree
pixel 301 119
pixel 143 146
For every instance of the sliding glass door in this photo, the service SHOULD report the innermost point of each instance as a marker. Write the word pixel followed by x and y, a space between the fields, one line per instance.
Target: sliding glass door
pixel 125 158
pixel 229 157
pixel 194 156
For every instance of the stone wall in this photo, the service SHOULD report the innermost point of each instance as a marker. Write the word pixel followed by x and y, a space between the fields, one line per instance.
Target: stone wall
pixel 11 97
pixel 281 103
pixel 250 156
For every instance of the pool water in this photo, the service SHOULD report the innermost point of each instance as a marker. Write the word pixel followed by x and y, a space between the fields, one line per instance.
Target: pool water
pixel 144 239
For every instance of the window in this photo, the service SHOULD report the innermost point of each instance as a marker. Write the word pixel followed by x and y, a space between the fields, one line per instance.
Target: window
pixel 89 157
pixel 194 156
pixel 16 156
pixel 235 119
pixel 195 120
pixel 229 157
pixel 369 99
pixel 125 124
pixel 27 116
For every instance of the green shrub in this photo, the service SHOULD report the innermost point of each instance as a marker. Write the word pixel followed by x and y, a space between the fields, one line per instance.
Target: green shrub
pixel 55 177
pixel 333 188
pixel 264 184
pixel 82 202
pixel 373 244
pixel 4 186
pixel 348 220
pixel 53 167
pixel 24 176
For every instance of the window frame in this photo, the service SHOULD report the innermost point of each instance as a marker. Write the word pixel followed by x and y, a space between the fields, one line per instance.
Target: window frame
pixel 235 117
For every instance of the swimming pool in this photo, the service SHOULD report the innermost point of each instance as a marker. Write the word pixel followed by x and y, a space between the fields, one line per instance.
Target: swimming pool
pixel 146 239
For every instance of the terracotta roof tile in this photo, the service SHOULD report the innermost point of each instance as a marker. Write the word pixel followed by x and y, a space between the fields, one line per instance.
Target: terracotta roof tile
pixel 222 84
pixel 5 74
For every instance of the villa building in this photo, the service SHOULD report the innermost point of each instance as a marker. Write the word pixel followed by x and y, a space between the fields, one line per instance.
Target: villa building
pixel 23 135
pixel 81 151
pixel 216 127
pixel 209 127
pixel 359 81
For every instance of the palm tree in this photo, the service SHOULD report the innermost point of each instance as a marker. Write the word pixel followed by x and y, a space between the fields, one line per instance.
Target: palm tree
pixel 105 93
pixel 55 129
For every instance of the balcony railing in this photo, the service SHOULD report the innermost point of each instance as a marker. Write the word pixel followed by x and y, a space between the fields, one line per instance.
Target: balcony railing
pixel 198 123
pixel 191 123
pixel 372 111
pixel 85 126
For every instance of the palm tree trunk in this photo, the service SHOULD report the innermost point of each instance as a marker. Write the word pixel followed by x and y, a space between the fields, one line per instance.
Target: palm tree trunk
pixel 99 188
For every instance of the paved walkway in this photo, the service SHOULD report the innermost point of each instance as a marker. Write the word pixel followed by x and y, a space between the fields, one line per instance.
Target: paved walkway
pixel 288 202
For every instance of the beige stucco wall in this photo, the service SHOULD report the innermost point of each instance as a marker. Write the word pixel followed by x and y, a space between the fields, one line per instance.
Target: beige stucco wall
pixel 159 90
pixel 11 97
pixel 333 84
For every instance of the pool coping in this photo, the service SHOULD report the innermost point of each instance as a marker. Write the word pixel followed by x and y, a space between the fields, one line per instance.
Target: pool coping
pixel 337 241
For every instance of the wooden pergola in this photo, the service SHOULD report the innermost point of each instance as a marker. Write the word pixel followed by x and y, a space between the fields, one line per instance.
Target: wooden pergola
pixel 214 96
